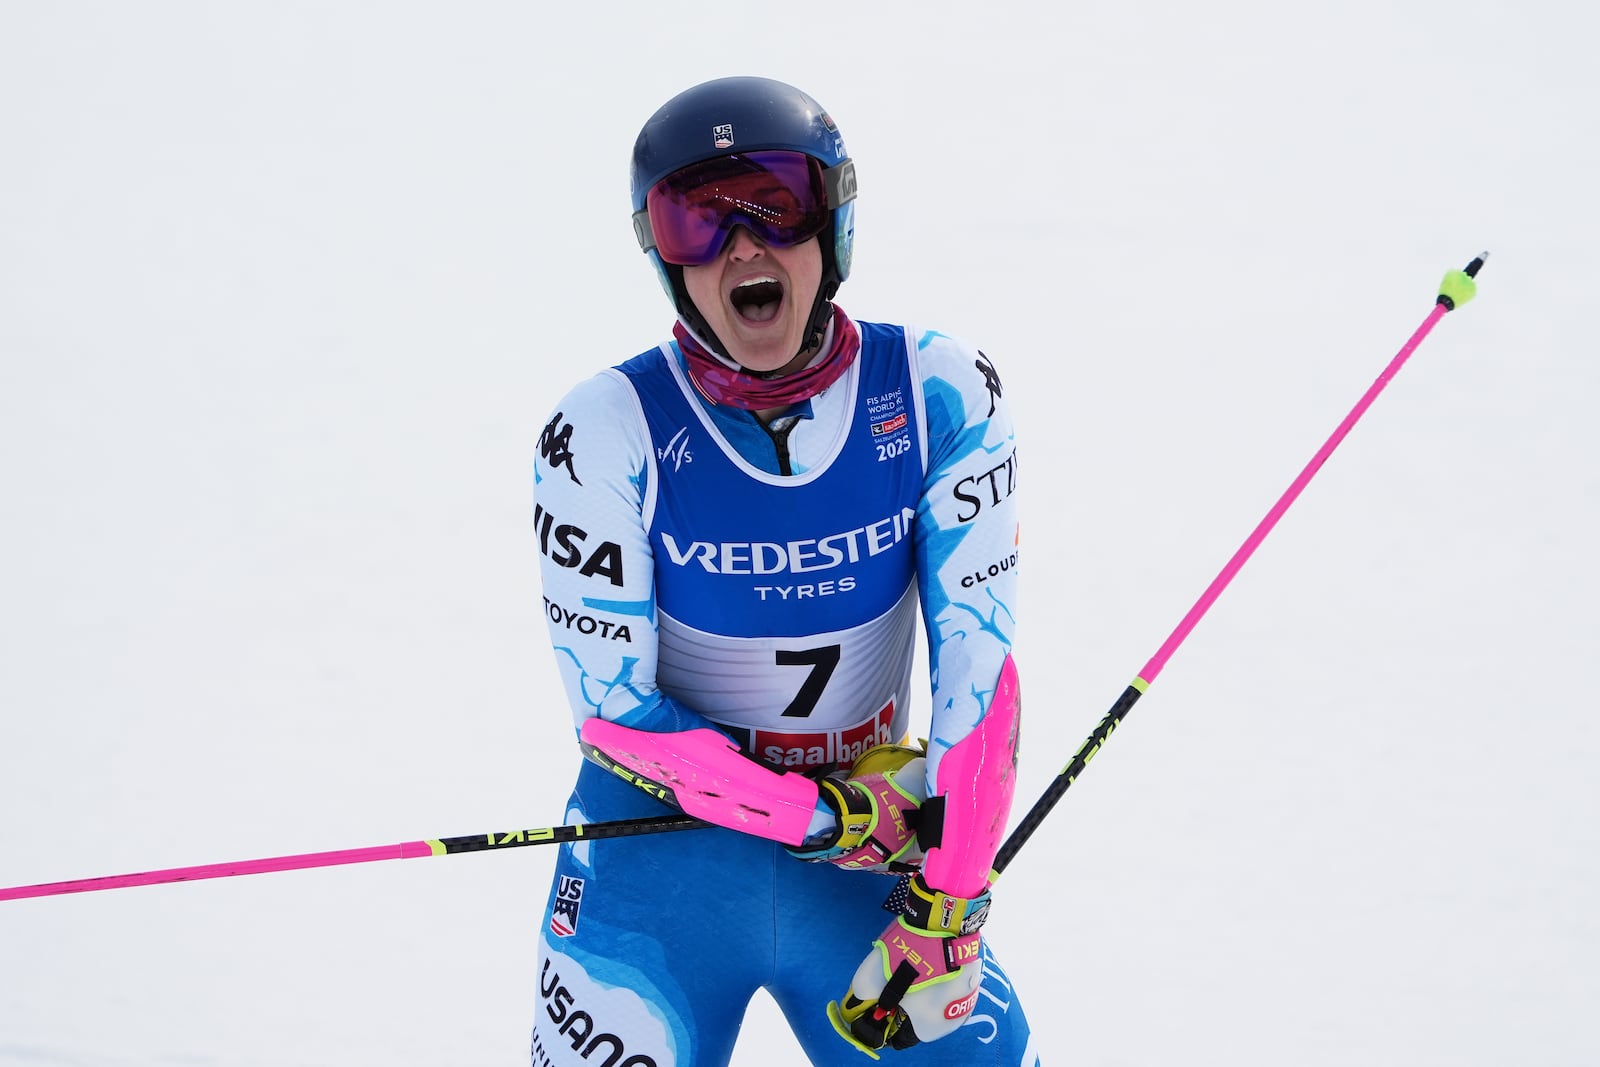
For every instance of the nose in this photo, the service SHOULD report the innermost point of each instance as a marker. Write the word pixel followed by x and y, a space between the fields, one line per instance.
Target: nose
pixel 742 244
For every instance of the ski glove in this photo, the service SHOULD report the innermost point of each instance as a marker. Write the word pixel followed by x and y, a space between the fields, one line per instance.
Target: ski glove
pixel 875 813
pixel 920 981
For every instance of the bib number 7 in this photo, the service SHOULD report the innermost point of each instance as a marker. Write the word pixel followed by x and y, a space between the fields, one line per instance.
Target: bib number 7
pixel 822 662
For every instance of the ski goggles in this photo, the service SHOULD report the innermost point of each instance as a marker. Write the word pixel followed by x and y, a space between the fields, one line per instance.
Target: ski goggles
pixel 782 197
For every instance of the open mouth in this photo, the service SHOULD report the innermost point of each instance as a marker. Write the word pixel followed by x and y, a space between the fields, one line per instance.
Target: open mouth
pixel 757 300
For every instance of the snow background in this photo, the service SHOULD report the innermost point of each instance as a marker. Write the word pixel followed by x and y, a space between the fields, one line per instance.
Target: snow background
pixel 287 290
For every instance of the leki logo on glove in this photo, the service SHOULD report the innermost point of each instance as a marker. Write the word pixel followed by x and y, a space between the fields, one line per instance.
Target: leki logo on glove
pixel 957 1008
pixel 912 955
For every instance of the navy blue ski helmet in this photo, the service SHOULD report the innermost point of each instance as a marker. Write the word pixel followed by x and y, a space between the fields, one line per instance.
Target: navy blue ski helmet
pixel 731 116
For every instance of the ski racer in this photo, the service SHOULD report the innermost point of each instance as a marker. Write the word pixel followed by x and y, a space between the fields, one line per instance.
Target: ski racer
pixel 737 530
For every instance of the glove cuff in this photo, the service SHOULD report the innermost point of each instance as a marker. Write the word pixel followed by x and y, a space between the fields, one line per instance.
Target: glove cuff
pixel 938 912
pixel 855 816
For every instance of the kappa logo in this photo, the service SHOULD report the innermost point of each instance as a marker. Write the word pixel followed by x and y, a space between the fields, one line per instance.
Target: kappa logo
pixel 991 378
pixel 677 450
pixel 555 445
pixel 564 910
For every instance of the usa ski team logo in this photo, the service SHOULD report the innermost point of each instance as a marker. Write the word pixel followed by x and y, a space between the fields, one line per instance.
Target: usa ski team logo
pixel 722 136
pixel 564 913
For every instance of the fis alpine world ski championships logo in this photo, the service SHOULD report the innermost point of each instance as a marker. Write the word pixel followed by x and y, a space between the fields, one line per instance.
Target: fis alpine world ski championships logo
pixel 891 423
pixel 564 911
pixel 722 135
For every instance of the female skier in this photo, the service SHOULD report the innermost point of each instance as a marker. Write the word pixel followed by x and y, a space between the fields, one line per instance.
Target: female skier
pixel 737 529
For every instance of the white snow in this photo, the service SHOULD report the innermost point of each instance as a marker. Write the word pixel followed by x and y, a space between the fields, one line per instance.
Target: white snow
pixel 287 289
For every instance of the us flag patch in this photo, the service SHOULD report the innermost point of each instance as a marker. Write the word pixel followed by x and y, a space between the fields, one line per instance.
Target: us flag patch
pixel 564 912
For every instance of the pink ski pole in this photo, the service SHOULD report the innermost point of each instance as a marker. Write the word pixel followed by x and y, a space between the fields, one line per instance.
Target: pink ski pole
pixel 441 846
pixel 1457 288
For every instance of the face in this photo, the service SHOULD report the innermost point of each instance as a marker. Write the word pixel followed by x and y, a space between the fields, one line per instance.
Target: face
pixel 757 299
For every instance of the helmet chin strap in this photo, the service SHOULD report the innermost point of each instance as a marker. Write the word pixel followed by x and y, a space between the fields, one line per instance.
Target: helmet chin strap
pixel 821 314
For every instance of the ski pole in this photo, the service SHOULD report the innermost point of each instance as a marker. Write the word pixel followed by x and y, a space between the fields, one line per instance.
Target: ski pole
pixel 443 846
pixel 1458 287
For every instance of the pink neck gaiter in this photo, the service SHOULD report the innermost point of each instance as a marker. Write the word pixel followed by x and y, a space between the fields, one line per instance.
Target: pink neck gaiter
pixel 737 387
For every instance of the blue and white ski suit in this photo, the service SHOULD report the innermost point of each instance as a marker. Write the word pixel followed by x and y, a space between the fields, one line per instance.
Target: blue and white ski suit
pixel 700 568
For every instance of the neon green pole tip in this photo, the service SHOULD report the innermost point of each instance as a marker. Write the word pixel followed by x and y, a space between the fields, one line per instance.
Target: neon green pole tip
pixel 1457 288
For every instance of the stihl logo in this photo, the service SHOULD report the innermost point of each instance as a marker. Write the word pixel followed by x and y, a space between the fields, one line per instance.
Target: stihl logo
pixel 957 1008
pixel 986 489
